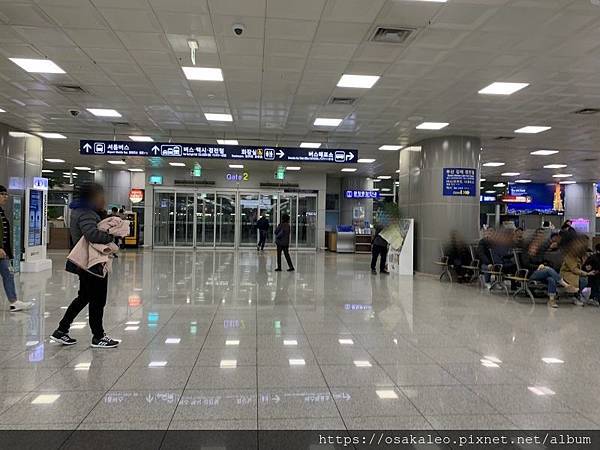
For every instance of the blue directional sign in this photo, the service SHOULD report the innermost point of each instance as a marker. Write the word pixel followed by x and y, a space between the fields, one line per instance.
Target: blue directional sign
pixel 362 194
pixel 214 151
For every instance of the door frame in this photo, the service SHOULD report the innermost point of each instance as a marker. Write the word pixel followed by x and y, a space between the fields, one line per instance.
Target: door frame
pixel 236 193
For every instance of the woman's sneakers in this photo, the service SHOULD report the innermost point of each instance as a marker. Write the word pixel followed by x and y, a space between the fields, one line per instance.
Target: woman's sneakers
pixel 62 338
pixel 19 306
pixel 104 342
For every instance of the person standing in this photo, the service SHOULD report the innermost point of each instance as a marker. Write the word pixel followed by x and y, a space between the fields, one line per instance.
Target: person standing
pixel 6 256
pixel 89 200
pixel 282 240
pixel 379 249
pixel 263 228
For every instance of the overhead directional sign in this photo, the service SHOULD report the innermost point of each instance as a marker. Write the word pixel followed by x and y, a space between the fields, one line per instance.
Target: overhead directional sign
pixel 210 151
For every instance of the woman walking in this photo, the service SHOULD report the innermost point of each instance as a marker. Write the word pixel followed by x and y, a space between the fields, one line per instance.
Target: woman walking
pixel 282 240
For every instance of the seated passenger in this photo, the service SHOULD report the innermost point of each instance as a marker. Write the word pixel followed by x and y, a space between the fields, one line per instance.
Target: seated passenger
pixel 572 268
pixel 540 270
pixel 592 264
pixel 458 256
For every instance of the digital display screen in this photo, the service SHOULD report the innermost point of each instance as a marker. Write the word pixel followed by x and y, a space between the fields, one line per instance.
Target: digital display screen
pixel 36 213
pixel 537 198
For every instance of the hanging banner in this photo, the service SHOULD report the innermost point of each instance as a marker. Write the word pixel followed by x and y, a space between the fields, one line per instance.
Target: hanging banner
pixel 210 151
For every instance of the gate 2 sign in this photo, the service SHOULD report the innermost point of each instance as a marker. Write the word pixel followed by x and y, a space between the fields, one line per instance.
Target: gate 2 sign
pixel 210 151
pixel 459 182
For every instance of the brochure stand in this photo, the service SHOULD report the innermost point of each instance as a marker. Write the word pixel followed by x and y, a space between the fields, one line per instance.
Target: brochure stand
pixel 36 231
pixel 401 253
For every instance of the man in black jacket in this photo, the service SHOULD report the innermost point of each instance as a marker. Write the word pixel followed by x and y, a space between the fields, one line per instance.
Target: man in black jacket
pixel 6 257
pixel 379 249
pixel 263 228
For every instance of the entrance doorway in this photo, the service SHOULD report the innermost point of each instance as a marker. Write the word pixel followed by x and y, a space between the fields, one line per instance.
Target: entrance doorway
pixel 188 218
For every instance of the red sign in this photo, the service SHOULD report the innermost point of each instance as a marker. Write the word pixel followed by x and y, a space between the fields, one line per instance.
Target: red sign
pixel 136 195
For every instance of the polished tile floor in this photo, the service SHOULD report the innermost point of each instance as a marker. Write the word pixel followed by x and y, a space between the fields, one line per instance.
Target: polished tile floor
pixel 217 340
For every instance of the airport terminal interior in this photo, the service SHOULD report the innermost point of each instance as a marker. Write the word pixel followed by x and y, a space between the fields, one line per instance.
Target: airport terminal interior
pixel 299 215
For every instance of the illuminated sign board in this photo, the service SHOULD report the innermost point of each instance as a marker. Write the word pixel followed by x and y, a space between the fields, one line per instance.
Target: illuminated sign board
pixel 362 194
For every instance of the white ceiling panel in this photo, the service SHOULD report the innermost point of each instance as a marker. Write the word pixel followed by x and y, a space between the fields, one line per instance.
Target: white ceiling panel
pixel 15 13
pixel 293 9
pixel 83 16
pixel 130 19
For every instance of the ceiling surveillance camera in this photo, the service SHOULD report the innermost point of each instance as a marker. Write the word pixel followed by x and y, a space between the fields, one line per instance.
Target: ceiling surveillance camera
pixel 74 112
pixel 238 29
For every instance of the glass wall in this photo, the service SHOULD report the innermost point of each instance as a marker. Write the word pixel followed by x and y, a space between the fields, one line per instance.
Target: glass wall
pixel 228 219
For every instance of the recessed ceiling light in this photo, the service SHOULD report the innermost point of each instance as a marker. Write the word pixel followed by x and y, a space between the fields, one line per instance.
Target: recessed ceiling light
pixel 362 363
pixel 290 342
pixel 232 342
pixel 213 117
pixel 553 361
pixel 141 138
pixel 132 328
pixel 227 142
pixel 390 147
pixel 297 362
pixel 366 160
pixel 236 166
pixel 493 164
pixel 2 111
pixel 432 125
pixel 18 134
pixel 45 399
pixel 488 363
pixel 358 81
pixel 92 171
pixel 510 174
pixel 177 164
pixel 47 171
pixel 133 322
pixel 54 160
pixel 562 175
pixel 386 394
pixel 348 169
pixel 384 177
pixel 102 112
pixel 493 359
pixel 327 122
pixel 172 340
pixel 292 168
pixel 52 135
pixel 310 145
pixel 82 168
pixel 116 162
pixel 541 390
pixel 499 185
pixel 523 181
pixel 82 366
pixel 157 364
pixel 37 65
pixel 346 341
pixel 481 180
pixel 136 170
pixel 500 88
pixel 490 192
pixel 385 189
pixel 544 152
pixel 228 364
pixel 203 73
pixel 532 130
pixel 555 166
pixel 413 148
pixel 568 182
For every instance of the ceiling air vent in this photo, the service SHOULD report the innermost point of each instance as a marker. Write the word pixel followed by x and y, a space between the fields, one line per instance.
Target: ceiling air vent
pixel 504 138
pixel 391 35
pixel 342 100
pixel 71 89
pixel 588 111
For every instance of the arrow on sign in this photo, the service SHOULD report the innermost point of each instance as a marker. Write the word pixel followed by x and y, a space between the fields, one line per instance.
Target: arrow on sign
pixel 280 153
pixel 87 147
pixel 155 150
pixel 350 156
